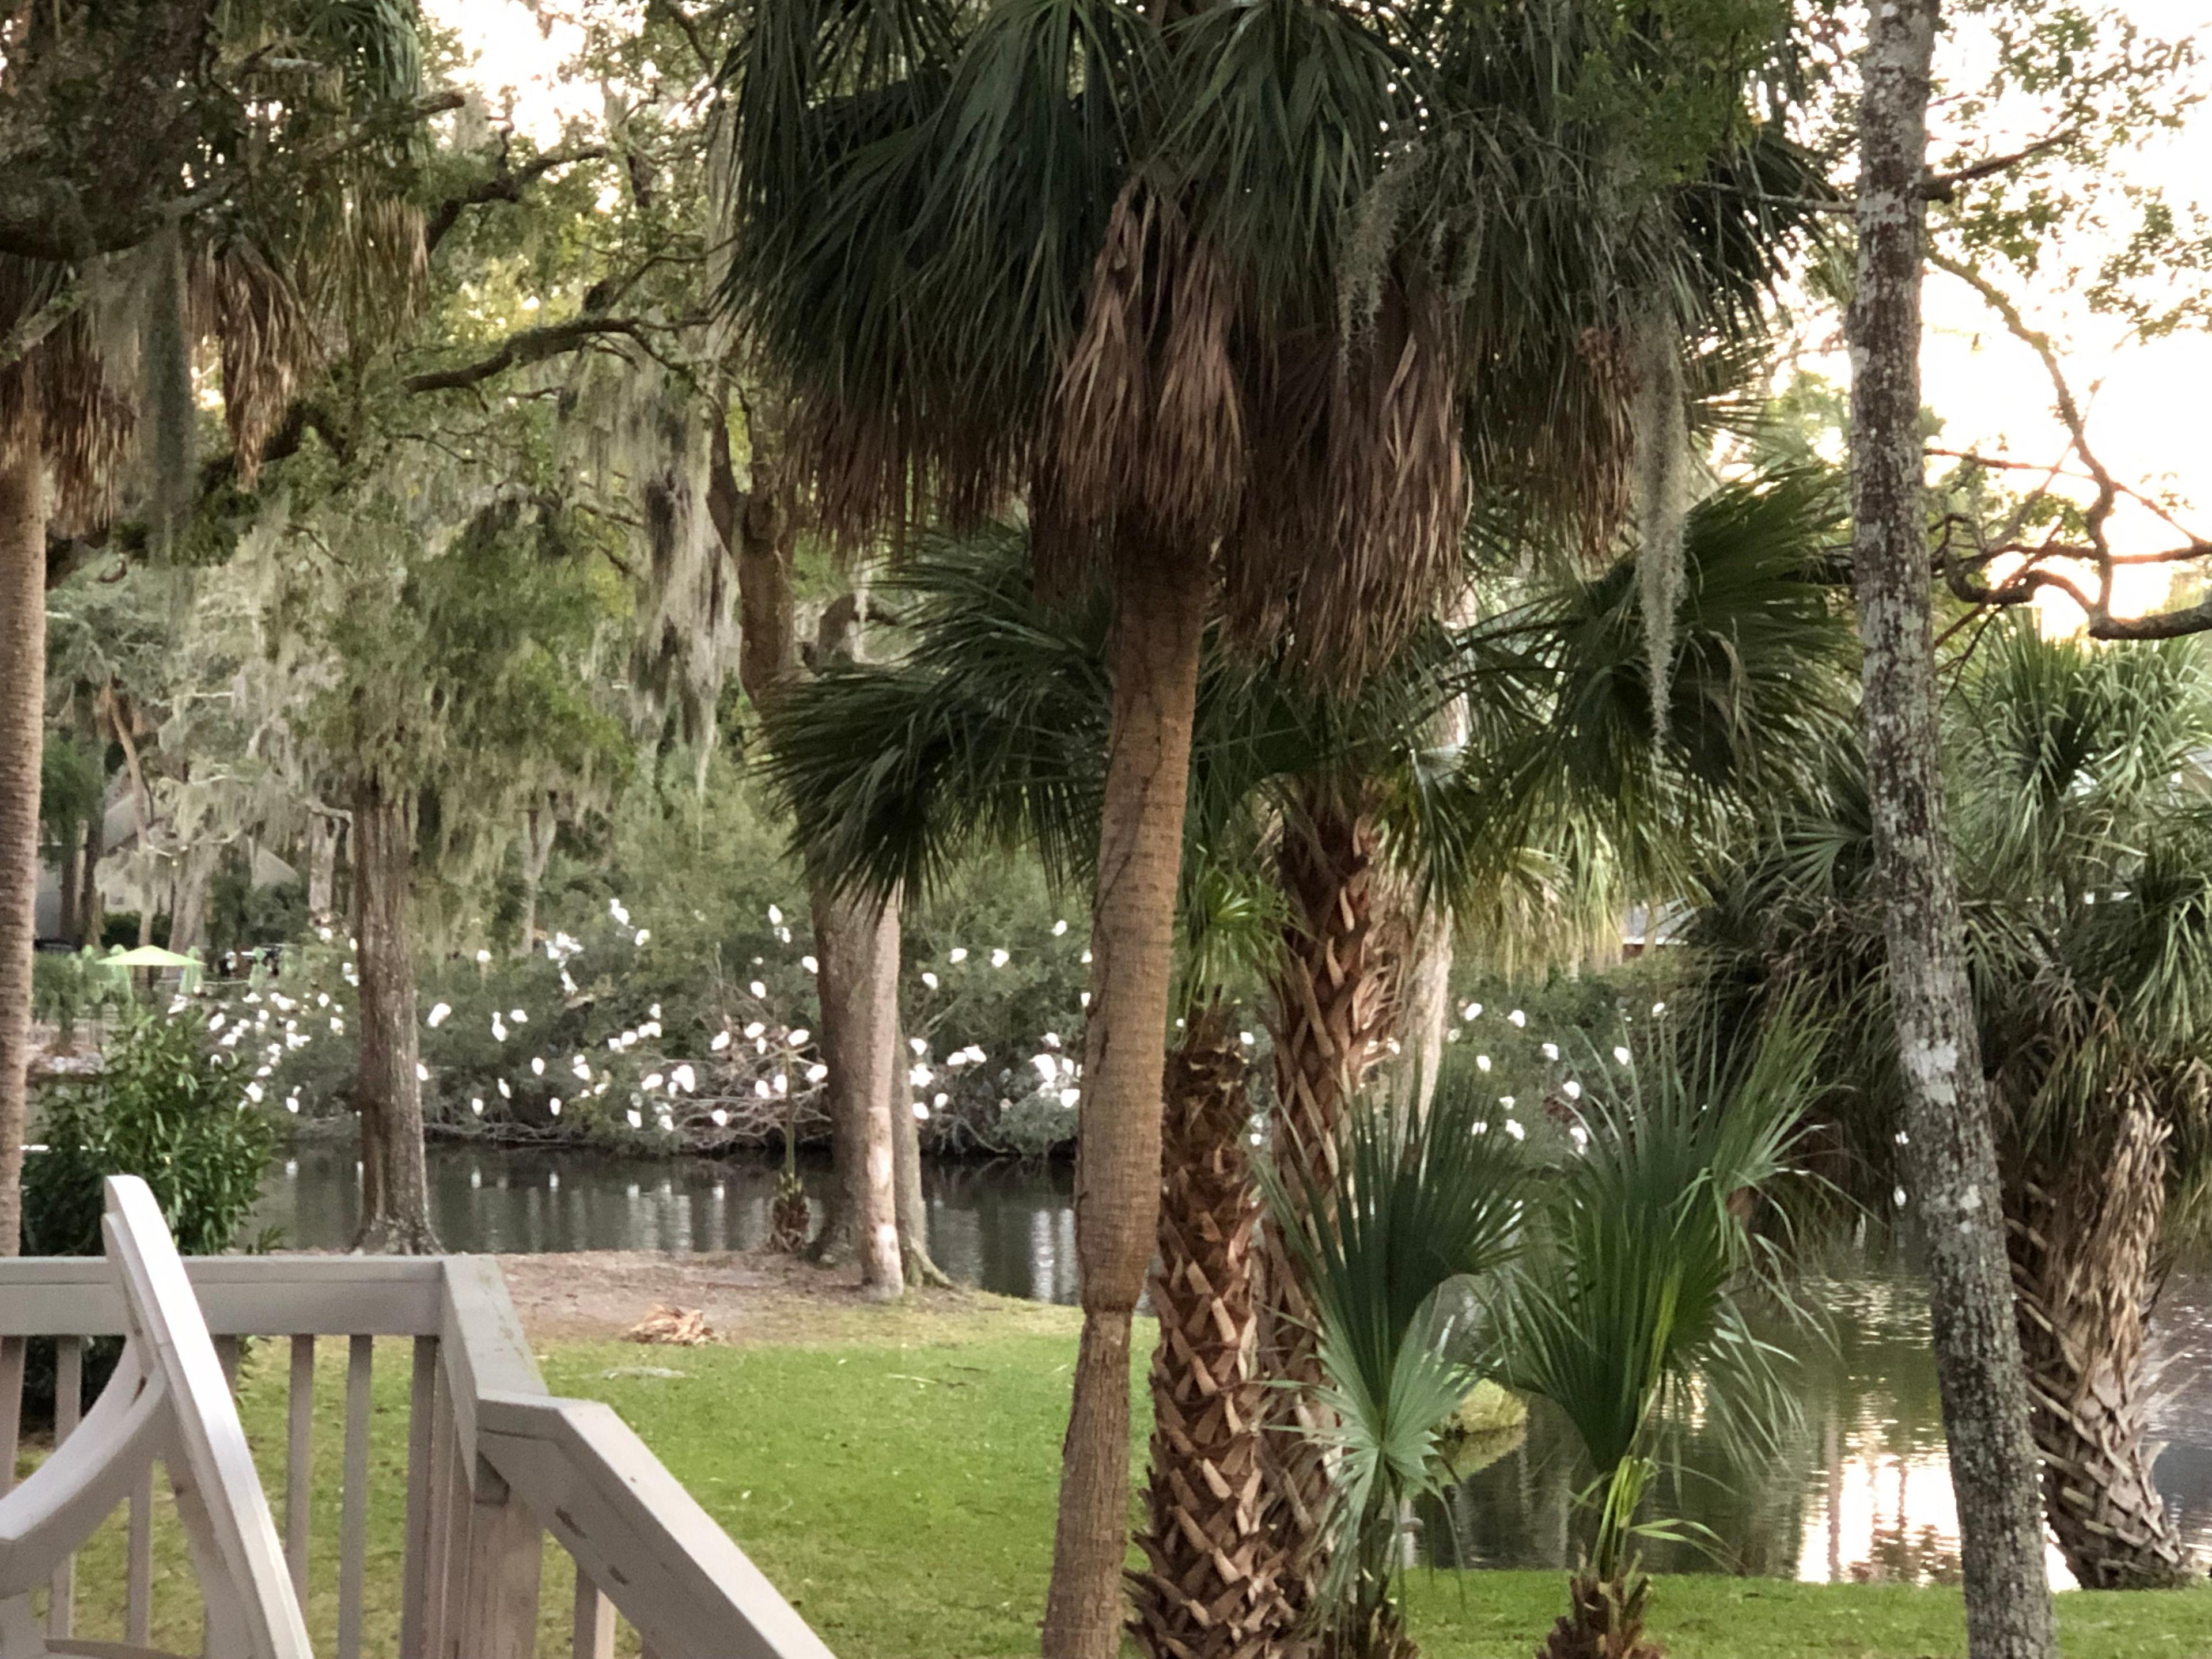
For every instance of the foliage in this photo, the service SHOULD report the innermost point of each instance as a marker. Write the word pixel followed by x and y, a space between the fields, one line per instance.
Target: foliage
pixel 1630 1306
pixel 66 986
pixel 167 1106
pixel 1421 1203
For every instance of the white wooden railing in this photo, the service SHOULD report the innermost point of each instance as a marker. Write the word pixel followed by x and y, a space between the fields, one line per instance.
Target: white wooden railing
pixel 493 1465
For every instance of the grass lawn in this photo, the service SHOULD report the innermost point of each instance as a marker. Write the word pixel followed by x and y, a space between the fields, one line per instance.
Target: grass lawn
pixel 894 1478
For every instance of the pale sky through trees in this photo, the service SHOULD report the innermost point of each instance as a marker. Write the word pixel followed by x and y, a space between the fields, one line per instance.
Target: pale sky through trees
pixel 2150 404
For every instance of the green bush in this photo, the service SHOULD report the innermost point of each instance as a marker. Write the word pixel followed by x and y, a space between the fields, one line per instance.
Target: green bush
pixel 166 1107
pixel 67 988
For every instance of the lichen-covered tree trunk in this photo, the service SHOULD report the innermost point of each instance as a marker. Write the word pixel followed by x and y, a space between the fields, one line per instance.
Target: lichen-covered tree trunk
pixel 188 905
pixel 395 1185
pixel 90 913
pixel 1159 618
pixel 22 734
pixel 857 981
pixel 914 1259
pixel 1208 1590
pixel 323 831
pixel 1951 1155
pixel 2082 1236
pixel 1335 1004
pixel 538 827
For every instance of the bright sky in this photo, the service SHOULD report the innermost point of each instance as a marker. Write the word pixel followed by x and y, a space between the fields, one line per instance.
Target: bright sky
pixel 2151 405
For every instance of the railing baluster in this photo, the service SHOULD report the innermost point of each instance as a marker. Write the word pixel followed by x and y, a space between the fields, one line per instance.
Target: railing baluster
pixel 68 1409
pixel 422 1408
pixel 11 1408
pixel 595 1635
pixel 445 1569
pixel 352 1521
pixel 138 1625
pixel 300 1461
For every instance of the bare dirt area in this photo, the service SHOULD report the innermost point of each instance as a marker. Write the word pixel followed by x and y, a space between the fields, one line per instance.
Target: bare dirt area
pixel 750 1297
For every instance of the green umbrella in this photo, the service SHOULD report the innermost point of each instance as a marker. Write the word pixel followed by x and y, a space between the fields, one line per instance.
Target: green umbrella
pixel 121 962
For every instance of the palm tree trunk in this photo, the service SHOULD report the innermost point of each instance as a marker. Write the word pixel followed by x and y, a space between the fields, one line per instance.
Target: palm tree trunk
pixel 395 1183
pixel 1335 1003
pixel 1951 1154
pixel 2082 1237
pixel 22 734
pixel 857 944
pixel 1208 1591
pixel 1160 611
pixel 915 1260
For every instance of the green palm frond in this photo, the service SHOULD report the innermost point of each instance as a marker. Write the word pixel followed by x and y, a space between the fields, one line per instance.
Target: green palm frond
pixel 1421 1204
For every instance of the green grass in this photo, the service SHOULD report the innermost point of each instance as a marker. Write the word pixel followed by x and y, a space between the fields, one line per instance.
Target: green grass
pixel 896 1483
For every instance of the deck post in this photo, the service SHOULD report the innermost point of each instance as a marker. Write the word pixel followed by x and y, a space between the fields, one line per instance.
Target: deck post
pixel 505 1557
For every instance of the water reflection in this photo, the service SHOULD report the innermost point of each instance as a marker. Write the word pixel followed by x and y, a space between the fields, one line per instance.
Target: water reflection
pixel 1859 1490
pixel 1007 1228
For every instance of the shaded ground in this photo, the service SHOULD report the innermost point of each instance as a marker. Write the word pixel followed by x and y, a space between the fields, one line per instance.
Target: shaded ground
pixel 750 1297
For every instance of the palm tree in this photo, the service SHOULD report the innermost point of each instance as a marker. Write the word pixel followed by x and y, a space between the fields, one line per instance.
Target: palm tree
pixel 989 729
pixel 2080 837
pixel 1628 1306
pixel 1209 285
pixel 114 237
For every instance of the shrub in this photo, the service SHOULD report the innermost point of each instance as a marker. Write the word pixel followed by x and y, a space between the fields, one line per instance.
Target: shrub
pixel 167 1108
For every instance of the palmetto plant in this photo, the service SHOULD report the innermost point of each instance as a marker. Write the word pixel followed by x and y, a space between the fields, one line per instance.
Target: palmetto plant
pixel 2082 832
pixel 1629 1307
pixel 1421 1203
pixel 1241 298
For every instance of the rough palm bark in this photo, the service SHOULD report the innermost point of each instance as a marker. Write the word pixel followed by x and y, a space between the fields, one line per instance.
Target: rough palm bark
pixel 858 942
pixel 1335 1004
pixel 2082 1237
pixel 22 729
pixel 1951 1154
pixel 1208 1590
pixel 1159 616
pixel 395 1187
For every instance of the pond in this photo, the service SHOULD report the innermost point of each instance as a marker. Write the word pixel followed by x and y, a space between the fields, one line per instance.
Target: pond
pixel 1859 1490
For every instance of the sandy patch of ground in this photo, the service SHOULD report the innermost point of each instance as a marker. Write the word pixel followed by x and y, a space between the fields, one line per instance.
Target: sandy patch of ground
pixel 756 1296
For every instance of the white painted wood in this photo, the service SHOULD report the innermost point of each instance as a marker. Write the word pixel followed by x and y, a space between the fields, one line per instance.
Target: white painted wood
pixel 352 1518
pixel 422 1405
pixel 239 1296
pixel 686 1588
pixel 138 1619
pixel 506 1555
pixel 65 1500
pixel 11 1408
pixel 69 1413
pixel 298 1460
pixel 216 1466
pixel 594 1637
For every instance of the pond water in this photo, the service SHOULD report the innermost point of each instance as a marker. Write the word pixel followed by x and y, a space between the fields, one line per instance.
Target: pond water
pixel 1861 1490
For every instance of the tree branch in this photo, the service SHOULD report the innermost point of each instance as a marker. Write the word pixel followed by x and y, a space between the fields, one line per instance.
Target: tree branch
pixel 1944 186
pixel 530 346
pixel 505 185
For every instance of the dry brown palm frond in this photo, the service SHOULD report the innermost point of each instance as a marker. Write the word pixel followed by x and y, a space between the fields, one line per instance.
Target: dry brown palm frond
pixel 1149 423
pixel 1350 534
pixel 680 1327
pixel 267 339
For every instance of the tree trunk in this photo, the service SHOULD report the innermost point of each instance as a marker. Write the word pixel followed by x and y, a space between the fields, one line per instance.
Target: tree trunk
pixel 538 827
pixel 323 829
pixel 1209 1590
pixel 188 907
pixel 1335 1004
pixel 857 948
pixel 1424 1014
pixel 2082 1237
pixel 1951 1154
pixel 395 1184
pixel 22 734
pixel 915 1260
pixel 1160 611
pixel 91 914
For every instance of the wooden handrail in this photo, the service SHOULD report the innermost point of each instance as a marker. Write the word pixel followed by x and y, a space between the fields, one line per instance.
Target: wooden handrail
pixel 494 1458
